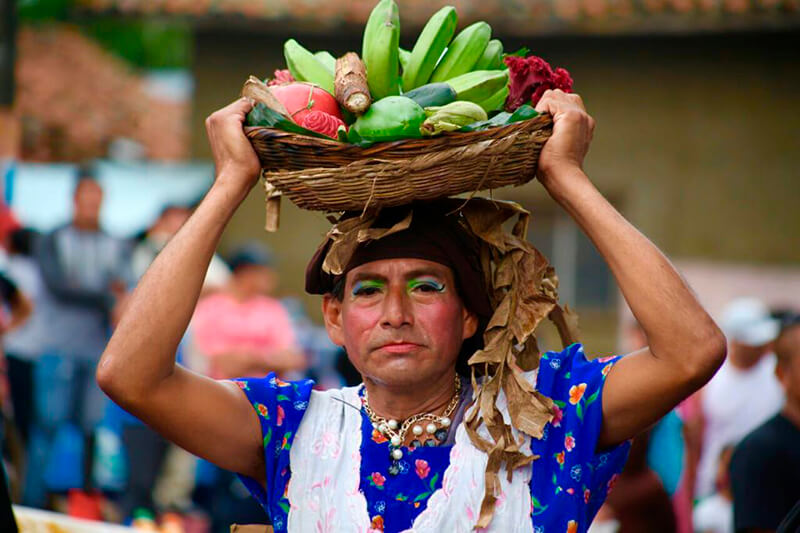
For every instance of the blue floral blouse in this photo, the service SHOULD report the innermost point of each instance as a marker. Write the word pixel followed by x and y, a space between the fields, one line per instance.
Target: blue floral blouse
pixel 570 481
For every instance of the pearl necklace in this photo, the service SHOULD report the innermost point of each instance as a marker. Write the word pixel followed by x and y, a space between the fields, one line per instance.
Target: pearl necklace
pixel 396 432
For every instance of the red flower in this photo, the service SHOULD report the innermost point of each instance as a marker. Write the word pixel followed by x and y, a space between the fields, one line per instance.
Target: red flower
pixel 572 526
pixel 558 415
pixel 530 77
pixel 262 410
pixel 586 495
pixel 377 479
pixel 570 491
pixel 281 76
pixel 377 523
pixel 281 415
pixel 322 122
pixel 378 437
pixel 560 458
pixel 422 468
pixel 569 442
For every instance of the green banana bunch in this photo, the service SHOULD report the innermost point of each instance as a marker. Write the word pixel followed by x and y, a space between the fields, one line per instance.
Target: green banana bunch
pixel 327 59
pixel 492 58
pixel 462 54
pixel 379 50
pixel 403 56
pixel 478 85
pixel 496 101
pixel 305 67
pixel 451 117
pixel 432 41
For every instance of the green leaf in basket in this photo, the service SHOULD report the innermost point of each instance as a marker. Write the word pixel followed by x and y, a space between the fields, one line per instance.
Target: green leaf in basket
pixel 262 115
pixel 524 112
pixel 522 52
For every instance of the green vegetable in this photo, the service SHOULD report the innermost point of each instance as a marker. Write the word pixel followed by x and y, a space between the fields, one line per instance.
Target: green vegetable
pixel 389 119
pixel 264 116
pixel 432 94
pixel 523 112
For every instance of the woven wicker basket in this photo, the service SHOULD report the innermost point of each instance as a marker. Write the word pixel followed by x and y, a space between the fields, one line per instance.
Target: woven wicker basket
pixel 326 175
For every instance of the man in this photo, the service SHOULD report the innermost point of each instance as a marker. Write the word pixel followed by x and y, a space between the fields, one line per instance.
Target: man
pixel 406 449
pixel 744 393
pixel 85 271
pixel 765 468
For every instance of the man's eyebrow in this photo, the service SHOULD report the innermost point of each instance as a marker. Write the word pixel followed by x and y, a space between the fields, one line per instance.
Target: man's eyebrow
pixel 427 271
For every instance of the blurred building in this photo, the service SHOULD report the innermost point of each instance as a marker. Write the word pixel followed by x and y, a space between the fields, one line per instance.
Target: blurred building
pixel 698 122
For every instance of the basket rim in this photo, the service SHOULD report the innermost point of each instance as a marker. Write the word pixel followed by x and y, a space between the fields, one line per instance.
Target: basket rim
pixel 282 135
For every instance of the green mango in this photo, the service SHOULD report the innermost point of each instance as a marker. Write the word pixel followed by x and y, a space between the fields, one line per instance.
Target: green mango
pixel 389 119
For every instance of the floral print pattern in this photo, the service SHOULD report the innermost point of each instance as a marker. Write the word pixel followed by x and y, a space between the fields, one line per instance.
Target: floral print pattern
pixel 569 482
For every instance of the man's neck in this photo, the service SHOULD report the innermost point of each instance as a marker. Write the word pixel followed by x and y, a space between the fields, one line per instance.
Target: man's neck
pixel 400 403
pixel 85 226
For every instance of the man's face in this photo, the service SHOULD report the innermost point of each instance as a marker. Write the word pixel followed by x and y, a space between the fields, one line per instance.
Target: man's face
pixel 400 320
pixel 256 280
pixel 88 199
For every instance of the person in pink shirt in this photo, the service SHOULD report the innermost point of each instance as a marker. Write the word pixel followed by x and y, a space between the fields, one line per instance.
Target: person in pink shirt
pixel 242 330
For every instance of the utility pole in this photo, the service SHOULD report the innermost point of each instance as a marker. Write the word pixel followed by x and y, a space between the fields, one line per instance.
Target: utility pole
pixel 9 124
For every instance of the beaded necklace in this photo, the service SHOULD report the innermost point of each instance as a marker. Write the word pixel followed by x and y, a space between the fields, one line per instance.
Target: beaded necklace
pixel 396 432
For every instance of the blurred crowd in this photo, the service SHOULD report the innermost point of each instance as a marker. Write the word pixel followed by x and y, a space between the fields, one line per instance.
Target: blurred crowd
pixel 69 448
pixel 727 459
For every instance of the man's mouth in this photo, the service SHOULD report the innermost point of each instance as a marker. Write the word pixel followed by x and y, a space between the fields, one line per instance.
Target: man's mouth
pixel 399 347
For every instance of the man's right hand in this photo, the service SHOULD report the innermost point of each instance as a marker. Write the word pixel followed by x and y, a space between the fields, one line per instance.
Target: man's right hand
pixel 235 159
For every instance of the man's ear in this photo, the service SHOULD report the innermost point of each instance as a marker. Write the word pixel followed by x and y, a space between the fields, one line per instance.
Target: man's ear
pixel 332 315
pixel 470 323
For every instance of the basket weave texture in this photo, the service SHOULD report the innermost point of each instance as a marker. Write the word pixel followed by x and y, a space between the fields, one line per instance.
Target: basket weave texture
pixel 327 175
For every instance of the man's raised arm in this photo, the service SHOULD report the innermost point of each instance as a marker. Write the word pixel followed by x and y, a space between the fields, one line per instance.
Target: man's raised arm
pixel 209 418
pixel 685 345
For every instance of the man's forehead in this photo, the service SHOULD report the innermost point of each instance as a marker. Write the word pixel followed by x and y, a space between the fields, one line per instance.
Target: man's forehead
pixel 401 268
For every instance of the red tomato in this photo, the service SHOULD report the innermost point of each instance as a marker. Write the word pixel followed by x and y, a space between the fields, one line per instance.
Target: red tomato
pixel 299 98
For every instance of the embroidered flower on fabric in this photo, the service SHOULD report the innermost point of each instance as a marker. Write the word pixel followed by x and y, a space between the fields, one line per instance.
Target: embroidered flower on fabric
pixel 378 437
pixel 555 364
pixel 576 393
pixel 605 359
pixel 602 460
pixel 606 369
pixel 326 446
pixel 262 410
pixel 586 495
pixel 404 467
pixel 380 506
pixel 558 415
pixel 282 383
pixel 377 480
pixel 560 459
pixel 545 433
pixel 242 385
pixel 281 415
pixel 572 526
pixel 569 442
pixel 422 468
pixel 575 472
pixel 301 406
pixel 538 529
pixel 570 491
pixel 377 523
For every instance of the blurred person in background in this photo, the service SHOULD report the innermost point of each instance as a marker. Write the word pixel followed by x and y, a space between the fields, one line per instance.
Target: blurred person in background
pixel 765 467
pixel 742 395
pixel 714 514
pixel 85 271
pixel 243 330
pixel 156 237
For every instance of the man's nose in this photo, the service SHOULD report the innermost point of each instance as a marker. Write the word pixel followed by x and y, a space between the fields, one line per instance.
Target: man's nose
pixel 397 308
